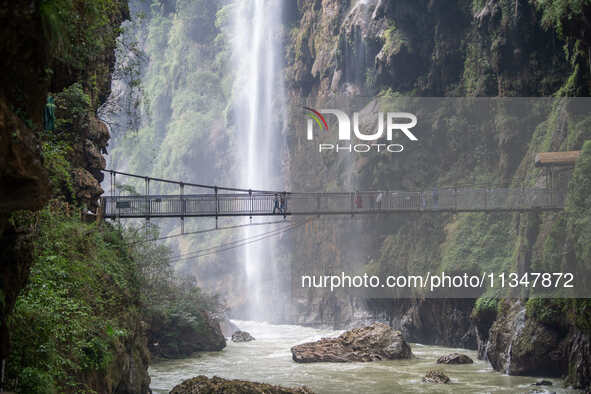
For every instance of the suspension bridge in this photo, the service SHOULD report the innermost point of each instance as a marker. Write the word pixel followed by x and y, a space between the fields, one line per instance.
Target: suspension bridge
pixel 228 202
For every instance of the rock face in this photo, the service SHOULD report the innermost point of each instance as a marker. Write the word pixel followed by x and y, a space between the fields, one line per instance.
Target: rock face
pixel 510 347
pixel 177 338
pixel 372 343
pixel 242 336
pixel 24 182
pixel 445 322
pixel 215 385
pixel 454 358
pixel 436 376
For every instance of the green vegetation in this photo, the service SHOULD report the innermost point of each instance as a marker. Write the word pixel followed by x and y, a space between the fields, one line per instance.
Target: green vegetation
pixel 79 30
pixel 486 305
pixel 557 13
pixel 55 154
pixel 394 40
pixel 176 310
pixel 185 90
pixel 73 108
pixel 90 288
pixel 80 304
pixel 479 244
pixel 578 207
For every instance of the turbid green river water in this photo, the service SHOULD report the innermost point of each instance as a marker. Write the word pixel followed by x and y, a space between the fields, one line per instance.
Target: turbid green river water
pixel 268 359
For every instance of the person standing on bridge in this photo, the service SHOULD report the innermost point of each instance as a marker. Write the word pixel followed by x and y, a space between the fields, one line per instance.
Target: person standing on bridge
pixel 276 203
pixel 358 201
pixel 283 207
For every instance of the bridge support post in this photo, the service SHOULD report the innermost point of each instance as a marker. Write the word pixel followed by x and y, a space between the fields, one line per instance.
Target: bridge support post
pixel 251 204
pixel 147 202
pixel 217 206
pixel 114 194
pixel 183 208
pixel 284 204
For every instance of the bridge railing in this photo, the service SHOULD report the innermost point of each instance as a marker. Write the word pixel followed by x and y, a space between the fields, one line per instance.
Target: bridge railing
pixel 264 203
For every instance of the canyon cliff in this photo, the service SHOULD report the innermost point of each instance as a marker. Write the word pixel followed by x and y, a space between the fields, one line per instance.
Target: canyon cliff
pixel 493 48
pixel 58 58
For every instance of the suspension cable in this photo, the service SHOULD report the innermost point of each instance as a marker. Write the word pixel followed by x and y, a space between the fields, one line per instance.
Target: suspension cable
pixel 236 244
pixel 207 231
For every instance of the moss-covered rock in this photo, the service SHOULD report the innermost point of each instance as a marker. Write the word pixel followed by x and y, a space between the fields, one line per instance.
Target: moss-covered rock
pixel 183 331
pixel 78 325
pixel 437 376
pixel 216 385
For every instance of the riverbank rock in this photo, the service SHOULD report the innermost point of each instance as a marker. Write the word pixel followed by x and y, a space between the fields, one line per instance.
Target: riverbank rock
pixel 454 358
pixel 181 337
pixel 372 343
pixel 520 345
pixel 242 336
pixel 216 385
pixel 436 376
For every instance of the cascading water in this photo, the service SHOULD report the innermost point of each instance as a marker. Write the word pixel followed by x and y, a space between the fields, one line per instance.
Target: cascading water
pixel 259 121
pixel 518 326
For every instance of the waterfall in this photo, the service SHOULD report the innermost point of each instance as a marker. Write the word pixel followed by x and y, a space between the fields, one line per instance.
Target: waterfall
pixel 517 328
pixel 259 120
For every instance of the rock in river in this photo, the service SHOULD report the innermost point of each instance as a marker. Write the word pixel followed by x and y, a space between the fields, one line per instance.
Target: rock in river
pixel 454 358
pixel 242 336
pixel 375 342
pixel 435 376
pixel 215 385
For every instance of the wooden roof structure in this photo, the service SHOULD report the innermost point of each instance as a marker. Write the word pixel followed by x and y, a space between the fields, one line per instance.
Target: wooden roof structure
pixel 556 159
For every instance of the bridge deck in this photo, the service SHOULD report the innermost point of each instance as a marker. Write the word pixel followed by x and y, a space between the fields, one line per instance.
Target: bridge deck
pixel 375 202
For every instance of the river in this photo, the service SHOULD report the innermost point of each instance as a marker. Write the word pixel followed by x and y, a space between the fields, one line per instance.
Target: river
pixel 268 359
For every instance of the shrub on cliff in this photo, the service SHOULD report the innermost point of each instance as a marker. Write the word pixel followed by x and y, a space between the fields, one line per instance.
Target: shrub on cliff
pixel 578 206
pixel 178 314
pixel 79 311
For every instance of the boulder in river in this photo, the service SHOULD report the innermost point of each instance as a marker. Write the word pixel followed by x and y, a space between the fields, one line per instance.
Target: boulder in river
pixel 375 342
pixel 454 358
pixel 436 376
pixel 542 383
pixel 181 337
pixel 242 336
pixel 216 385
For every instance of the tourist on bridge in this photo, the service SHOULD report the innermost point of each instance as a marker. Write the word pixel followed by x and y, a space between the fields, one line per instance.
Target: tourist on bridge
pixel 379 200
pixel 276 203
pixel 358 201
pixel 283 203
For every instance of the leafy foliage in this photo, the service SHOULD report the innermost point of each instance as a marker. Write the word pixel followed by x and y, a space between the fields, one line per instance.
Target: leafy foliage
pixel 55 154
pixel 89 286
pixel 556 13
pixel 175 308
pixel 578 211
pixel 73 106
pixel 82 294
pixel 78 30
